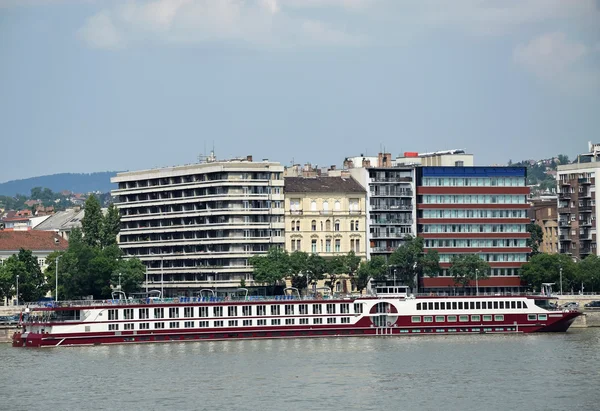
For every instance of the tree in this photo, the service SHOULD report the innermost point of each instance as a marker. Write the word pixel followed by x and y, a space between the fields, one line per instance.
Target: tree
pixel 111 226
pixel 563 159
pixel 535 239
pixel 32 284
pixel 468 267
pixel 335 267
pixel 8 270
pixel 132 275
pixel 376 268
pixel 316 267
pixel 92 221
pixel 352 264
pixel 271 268
pixel 430 263
pixel 298 268
pixel 410 260
pixel 588 272
pixel 546 268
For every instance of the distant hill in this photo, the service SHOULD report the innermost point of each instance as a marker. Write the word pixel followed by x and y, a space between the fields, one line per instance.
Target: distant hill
pixel 74 182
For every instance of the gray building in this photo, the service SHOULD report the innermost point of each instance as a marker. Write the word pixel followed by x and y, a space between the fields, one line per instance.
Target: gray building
pixel 196 226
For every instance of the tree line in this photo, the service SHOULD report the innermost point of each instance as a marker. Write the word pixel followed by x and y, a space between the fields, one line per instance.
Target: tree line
pixel 89 267
pixel 407 264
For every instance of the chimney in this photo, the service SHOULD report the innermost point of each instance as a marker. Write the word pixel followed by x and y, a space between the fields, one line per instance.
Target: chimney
pixel 249 158
pixel 366 163
pixel 332 167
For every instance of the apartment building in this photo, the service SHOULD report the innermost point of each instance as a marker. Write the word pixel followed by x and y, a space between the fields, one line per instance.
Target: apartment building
pixel 577 211
pixel 325 216
pixel 195 226
pixel 475 210
pixel 544 213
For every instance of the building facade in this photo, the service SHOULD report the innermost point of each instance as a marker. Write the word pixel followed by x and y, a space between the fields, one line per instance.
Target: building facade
pixel 196 226
pixel 544 213
pixel 325 216
pixel 577 211
pixel 475 210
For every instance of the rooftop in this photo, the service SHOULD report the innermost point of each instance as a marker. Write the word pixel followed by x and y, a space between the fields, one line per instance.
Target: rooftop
pixel 322 185
pixel 31 240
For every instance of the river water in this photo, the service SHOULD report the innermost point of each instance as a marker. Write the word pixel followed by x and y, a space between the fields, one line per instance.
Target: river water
pixel 467 372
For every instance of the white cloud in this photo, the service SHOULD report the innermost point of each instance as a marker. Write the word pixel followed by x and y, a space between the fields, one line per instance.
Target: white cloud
pixel 100 32
pixel 553 58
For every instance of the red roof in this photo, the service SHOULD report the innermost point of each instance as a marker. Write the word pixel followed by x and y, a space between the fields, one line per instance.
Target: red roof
pixel 31 240
pixel 489 282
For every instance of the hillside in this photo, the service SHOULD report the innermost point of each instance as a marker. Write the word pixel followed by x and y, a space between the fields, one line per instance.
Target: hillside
pixel 74 182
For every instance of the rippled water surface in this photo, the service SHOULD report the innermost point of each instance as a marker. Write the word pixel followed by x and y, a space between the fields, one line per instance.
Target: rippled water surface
pixel 484 372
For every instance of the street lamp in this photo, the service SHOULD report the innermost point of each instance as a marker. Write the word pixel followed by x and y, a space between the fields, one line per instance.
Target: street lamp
pixel 395 277
pixel 56 277
pixel 17 289
pixel 119 281
pixel 560 272
pixel 476 281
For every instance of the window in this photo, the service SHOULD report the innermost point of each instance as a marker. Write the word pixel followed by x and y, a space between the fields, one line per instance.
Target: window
pixel 439 318
pixel 303 320
pixel 218 324
pixel 232 311
pixel 289 309
pixel 542 317
pixel 143 313
pixel 475 318
pixel 203 312
pixel 173 312
pixel 498 318
pixel 113 315
pixel 289 321
pixel 144 326
pixel 358 308
pixel 344 308
pixel 303 309
pixel 275 321
pixel 337 205
pixel 345 320
pixel 451 318
pixel 317 321
pixel 217 311
pixel 336 226
pixel 188 324
pixel 188 312
pixel 337 245
pixel 128 326
pixel 275 310
pixel 128 314
pixel 415 319
pixel 487 318
pixel 317 309
pixel 313 246
pixel 331 320
pixel 357 246
pixel 328 225
pixel 356 225
pixel 532 317
pixel 203 324
pixel 261 322
pixel 159 325
pixel 351 225
pixel 330 308
pixel 428 319
pixel 313 225
pixel 313 206
pixel 174 324
pixel 328 245
pixel 261 310
pixel 113 327
pixel 247 310
pixel 463 318
pixel 233 323
pixel 246 323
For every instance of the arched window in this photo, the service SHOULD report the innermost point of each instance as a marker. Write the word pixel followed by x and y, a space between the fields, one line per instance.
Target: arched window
pixel 325 206
pixel 321 225
pixel 328 225
pixel 313 205
pixel 313 225
pixel 337 205
pixel 337 225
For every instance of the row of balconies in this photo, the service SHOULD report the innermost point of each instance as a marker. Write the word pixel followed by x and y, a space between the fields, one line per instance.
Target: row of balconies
pixel 326 212
pixel 202 212
pixel 392 221
pixel 391 193
pixel 164 228
pixel 248 178
pixel 391 179
pixel 146 242
pixel 392 207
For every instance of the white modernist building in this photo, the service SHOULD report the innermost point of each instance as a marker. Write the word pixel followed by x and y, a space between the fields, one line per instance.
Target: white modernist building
pixel 196 226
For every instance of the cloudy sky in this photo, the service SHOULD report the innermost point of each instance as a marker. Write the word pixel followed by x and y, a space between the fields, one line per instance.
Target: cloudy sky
pixel 94 85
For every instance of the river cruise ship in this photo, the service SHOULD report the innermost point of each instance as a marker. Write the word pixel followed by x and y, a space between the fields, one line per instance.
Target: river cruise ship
pixel 388 312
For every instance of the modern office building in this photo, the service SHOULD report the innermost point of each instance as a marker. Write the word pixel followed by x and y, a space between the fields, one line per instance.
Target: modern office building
pixel 475 210
pixel 195 226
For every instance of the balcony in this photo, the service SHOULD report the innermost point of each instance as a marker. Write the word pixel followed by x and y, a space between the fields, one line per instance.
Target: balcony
pixel 393 221
pixel 376 207
pixel 585 250
pixel 388 235
pixel 564 223
pixel 565 183
pixel 564 237
pixel 585 223
pixel 584 181
pixel 392 193
pixel 392 179
pixel 564 195
pixel 564 210
pixel 296 212
pixel 585 209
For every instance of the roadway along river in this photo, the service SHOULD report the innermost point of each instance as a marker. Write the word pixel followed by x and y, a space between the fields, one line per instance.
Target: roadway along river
pixel 556 372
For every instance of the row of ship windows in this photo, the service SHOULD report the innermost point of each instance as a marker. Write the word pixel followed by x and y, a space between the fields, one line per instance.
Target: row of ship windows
pixel 232 311
pixel 472 305
pixel 474 318
pixel 230 323
pixel 474 199
pixel 474 181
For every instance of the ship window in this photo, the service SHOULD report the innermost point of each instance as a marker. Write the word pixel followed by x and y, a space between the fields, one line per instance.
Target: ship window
pixel 424 306
pixel 502 305
pixel 331 320
pixel 344 308
pixel 203 312
pixel 495 305
pixel 358 308
pixel 144 326
pixel 415 319
pixel 460 307
pixel 454 305
pixel 542 317
pixel 330 308
pixel 512 305
pixel 498 318
pixel 487 318
pixel 437 306
pixel 317 309
pixel 448 305
pixel 173 312
pixel 202 324
pixel 428 319
pixel 218 324
pixel 303 309
pixel 452 318
pixel 275 321
pixel 478 305
pixel 275 310
pixel 531 317
pixel 317 321
pixel 430 306
pixel 113 315
pixel 232 311
pixel 261 310
pixel 345 320
pixel 128 326
pixel 261 322
pixel 524 304
pixel 128 314
pixel 159 325
pixel 217 311
pixel 233 323
pixel 188 324
pixel 289 309
pixel 483 305
pixel 159 313
pixel 507 304
pixel 303 320
pixel 174 324
pixel 439 318
pixel 188 312
pixel 418 306
pixel 246 323
pixel 247 310
pixel 289 321
pixel 463 318
pixel 472 305
pixel 143 313
pixel 475 318
pixel 113 327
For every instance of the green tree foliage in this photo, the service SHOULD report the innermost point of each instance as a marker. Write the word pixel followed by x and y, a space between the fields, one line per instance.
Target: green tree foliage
pixel 110 226
pixel 272 267
pixel 537 236
pixel 376 268
pixel 588 273
pixel 298 269
pixel 132 275
pixel 92 222
pixel 467 267
pixel 563 159
pixel 32 284
pixel 316 267
pixel 410 259
pixel 546 268
pixel 336 266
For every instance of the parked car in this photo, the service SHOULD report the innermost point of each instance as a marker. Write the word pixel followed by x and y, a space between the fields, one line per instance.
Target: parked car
pixel 593 304
pixel 571 306
pixel 9 320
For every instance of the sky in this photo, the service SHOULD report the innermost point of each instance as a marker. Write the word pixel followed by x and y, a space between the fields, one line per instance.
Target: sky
pixel 97 85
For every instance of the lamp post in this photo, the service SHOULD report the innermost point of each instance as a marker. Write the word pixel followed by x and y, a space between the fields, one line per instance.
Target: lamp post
pixel 17 289
pixel 476 281
pixel 146 281
pixel 119 281
pixel 395 277
pixel 56 278
pixel 560 273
